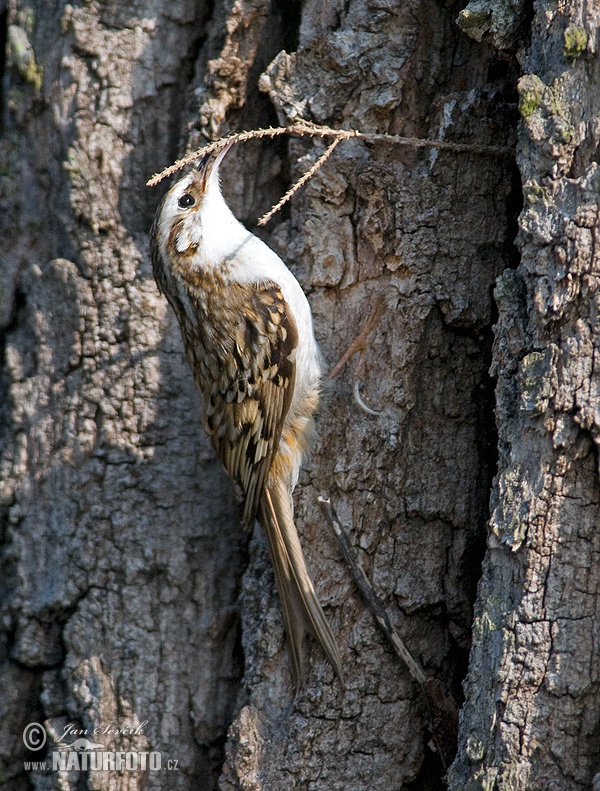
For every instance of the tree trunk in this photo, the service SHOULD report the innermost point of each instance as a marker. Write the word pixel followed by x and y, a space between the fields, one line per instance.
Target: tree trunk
pixel 132 599
pixel 531 719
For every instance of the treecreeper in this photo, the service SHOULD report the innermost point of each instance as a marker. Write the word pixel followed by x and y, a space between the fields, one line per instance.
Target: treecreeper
pixel 248 335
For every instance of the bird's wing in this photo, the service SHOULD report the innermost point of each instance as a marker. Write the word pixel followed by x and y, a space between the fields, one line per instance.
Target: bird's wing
pixel 247 401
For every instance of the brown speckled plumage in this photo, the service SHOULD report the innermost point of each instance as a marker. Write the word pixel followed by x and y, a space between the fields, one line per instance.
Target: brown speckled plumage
pixel 244 345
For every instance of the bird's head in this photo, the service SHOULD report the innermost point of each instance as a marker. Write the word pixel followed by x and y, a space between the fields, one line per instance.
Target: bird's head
pixel 178 227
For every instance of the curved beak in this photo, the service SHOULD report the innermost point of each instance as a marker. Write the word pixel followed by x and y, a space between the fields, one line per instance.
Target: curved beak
pixel 209 164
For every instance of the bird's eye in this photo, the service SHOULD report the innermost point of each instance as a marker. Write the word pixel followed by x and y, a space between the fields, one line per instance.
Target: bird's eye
pixel 186 201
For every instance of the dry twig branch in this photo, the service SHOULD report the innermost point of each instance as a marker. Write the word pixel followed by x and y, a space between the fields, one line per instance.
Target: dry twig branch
pixel 301 181
pixel 358 345
pixel 312 130
pixel 442 707
pixel 368 593
pixel 360 342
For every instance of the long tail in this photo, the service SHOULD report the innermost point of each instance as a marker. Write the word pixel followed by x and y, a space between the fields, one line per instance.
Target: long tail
pixel 302 611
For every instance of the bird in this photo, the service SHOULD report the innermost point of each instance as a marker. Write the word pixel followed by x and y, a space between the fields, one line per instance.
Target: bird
pixel 248 335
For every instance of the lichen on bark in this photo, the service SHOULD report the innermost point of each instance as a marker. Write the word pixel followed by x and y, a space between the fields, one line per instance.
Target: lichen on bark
pixel 126 597
pixel 530 719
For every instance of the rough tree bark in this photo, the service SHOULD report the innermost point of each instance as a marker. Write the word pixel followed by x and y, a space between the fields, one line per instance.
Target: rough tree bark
pixel 130 594
pixel 531 719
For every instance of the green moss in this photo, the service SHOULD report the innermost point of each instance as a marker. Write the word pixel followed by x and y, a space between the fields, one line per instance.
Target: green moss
pixel 493 18
pixel 33 74
pixel 20 55
pixel 474 19
pixel 529 101
pixel 28 21
pixel 565 135
pixel 534 193
pixel 73 163
pixel 533 93
pixel 548 106
pixel 483 625
pixel 575 39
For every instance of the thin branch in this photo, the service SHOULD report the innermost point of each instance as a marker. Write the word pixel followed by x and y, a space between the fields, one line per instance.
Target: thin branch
pixel 301 181
pixel 312 130
pixel 442 707
pixel 360 342
pixel 368 593
pixel 216 145
pixel 358 346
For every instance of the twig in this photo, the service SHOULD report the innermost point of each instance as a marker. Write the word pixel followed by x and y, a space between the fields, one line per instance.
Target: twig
pixel 312 130
pixel 369 595
pixel 360 342
pixel 301 181
pixel 216 145
pixel 358 345
pixel 442 707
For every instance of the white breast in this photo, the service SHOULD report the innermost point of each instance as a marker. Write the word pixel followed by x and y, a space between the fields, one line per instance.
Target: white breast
pixel 248 259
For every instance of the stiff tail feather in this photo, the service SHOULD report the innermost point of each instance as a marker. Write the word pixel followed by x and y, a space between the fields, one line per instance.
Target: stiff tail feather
pixel 301 608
